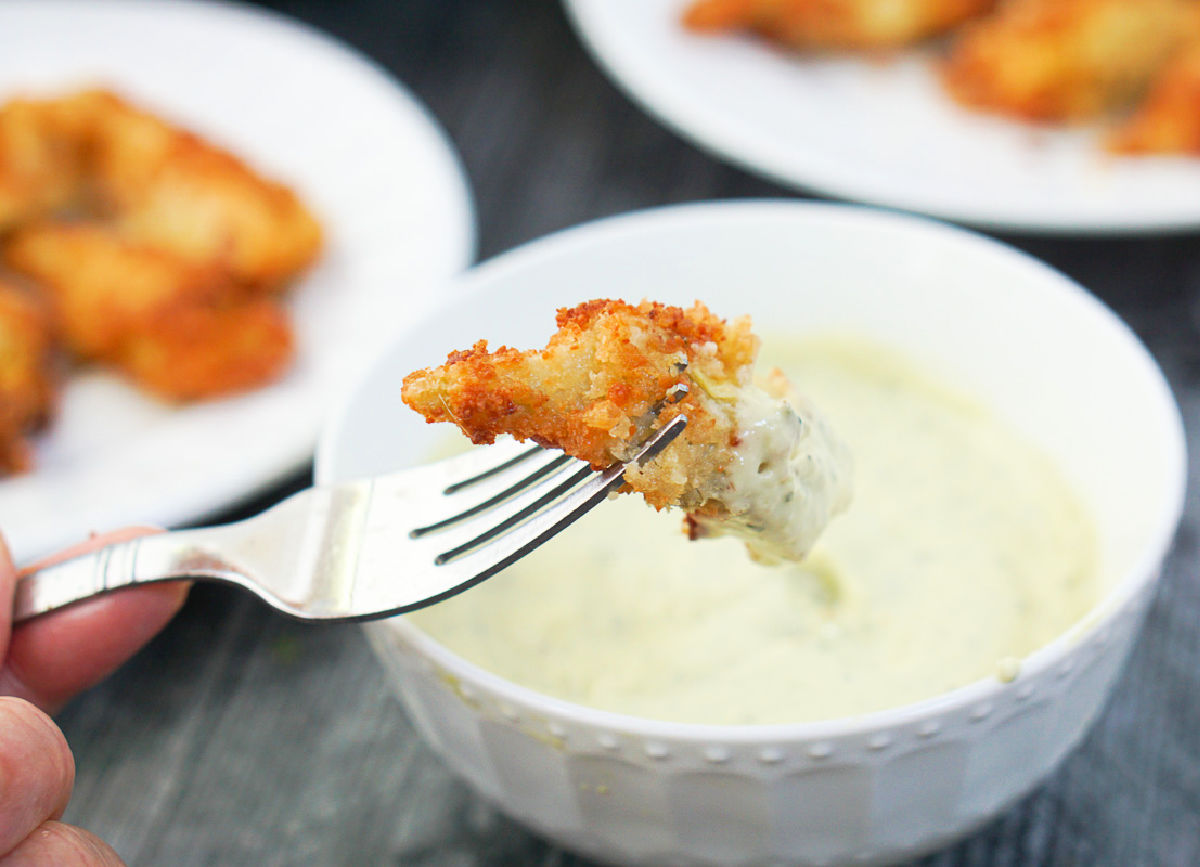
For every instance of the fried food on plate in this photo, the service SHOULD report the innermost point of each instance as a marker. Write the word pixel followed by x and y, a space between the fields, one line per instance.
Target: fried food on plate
pixel 162 185
pixel 1064 60
pixel 747 463
pixel 26 374
pixel 182 330
pixel 834 24
pixel 155 251
pixel 40 162
pixel 1168 120
pixel 154 182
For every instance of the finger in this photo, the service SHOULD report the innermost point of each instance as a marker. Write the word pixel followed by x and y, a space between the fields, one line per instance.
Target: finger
pixel 37 771
pixel 55 656
pixel 54 844
pixel 8 578
pixel 52 658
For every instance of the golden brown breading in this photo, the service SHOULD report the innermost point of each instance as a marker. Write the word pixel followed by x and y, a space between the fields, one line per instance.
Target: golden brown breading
pixel 1168 120
pixel 156 183
pixel 26 375
pixel 201 350
pixel 749 463
pixel 181 236
pixel 1064 60
pixel 165 263
pixel 834 24
pixel 99 288
pixel 40 162
pixel 135 306
pixel 165 186
pixel 590 392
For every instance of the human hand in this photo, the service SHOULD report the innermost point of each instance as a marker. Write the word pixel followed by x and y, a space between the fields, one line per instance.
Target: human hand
pixel 42 664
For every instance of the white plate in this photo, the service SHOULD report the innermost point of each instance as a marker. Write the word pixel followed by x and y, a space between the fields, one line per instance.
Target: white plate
pixel 877 132
pixel 361 151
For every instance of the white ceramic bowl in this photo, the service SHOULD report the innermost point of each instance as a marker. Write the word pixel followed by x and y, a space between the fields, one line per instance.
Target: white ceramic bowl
pixel 1043 353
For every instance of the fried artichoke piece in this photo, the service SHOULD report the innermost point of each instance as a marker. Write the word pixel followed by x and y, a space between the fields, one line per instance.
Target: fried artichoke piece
pixel 27 381
pixel 1064 60
pixel 41 162
pixel 182 330
pixel 747 463
pixel 165 186
pixel 1168 119
pixel 834 24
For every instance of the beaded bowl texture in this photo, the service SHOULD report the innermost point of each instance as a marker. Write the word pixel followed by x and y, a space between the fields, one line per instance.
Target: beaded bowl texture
pixel 1045 355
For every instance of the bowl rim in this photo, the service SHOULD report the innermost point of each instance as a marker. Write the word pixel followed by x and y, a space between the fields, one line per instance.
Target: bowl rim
pixel 1125 591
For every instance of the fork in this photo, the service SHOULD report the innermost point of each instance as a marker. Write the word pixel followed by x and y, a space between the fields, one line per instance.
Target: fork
pixel 366 549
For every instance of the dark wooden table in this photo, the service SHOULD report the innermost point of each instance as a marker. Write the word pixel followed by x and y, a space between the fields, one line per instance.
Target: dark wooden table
pixel 241 738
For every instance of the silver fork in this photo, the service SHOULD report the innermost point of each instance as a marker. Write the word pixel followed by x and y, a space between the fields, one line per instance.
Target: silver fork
pixel 366 549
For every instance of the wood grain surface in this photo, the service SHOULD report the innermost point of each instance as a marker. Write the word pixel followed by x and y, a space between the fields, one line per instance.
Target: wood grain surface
pixel 241 738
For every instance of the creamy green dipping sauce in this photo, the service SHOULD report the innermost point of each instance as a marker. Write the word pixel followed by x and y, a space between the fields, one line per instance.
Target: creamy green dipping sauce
pixel 962 551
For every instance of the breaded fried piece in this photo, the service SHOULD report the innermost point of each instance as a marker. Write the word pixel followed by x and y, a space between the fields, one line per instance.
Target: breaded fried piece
pixel 834 24
pixel 165 263
pixel 101 288
pixel 182 330
pixel 591 390
pixel 1064 60
pixel 1168 120
pixel 220 346
pixel 746 462
pixel 162 185
pixel 40 162
pixel 26 375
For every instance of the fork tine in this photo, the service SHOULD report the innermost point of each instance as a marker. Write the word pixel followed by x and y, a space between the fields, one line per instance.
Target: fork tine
pixel 490 472
pixel 547 470
pixel 530 526
pixel 488 476
pixel 526 508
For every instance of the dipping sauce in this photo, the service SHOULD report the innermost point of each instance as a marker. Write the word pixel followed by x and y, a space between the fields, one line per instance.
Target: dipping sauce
pixel 788 476
pixel 962 551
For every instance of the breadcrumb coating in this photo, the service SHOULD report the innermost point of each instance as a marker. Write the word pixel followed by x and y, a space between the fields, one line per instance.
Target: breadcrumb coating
pixel 98 156
pixel 26 375
pixel 166 186
pixel 156 251
pixel 834 24
pixel 592 390
pixel 1168 120
pixel 183 331
pixel 1064 60
pixel 747 463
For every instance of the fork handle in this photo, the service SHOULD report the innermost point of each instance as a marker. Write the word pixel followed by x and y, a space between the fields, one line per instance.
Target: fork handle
pixel 170 556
